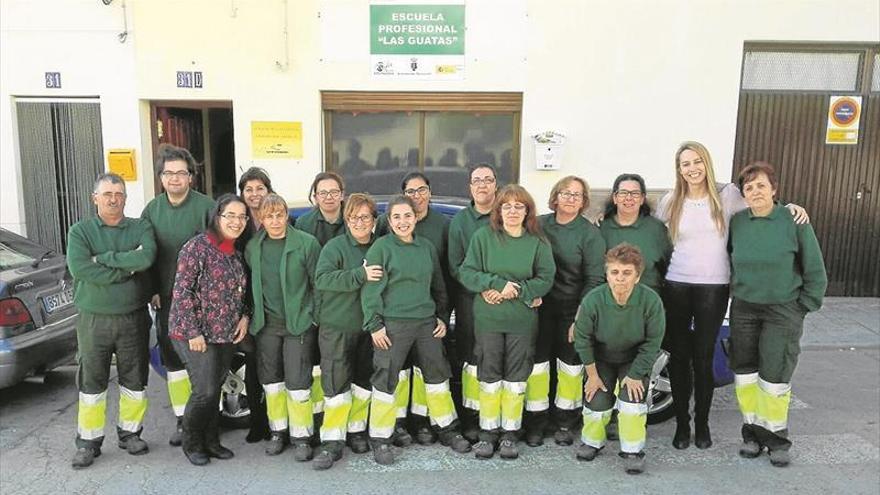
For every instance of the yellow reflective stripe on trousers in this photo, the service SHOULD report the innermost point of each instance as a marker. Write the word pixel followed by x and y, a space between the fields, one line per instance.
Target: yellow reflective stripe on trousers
pixel 490 405
pixel 569 385
pixel 440 404
pixel 746 386
pixel 360 409
pixel 132 408
pixel 276 406
pixel 179 390
pixel 401 393
pixel 512 397
pixel 382 414
pixel 419 405
pixel 336 413
pixel 773 403
pixel 593 432
pixel 470 387
pixel 299 413
pixel 537 396
pixel 317 391
pixel 92 410
pixel 632 419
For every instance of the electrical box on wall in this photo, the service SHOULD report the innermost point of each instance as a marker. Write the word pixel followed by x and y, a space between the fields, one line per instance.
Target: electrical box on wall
pixel 122 163
pixel 549 147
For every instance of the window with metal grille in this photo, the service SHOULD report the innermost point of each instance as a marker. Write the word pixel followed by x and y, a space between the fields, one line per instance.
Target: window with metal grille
pixel 801 71
pixel 875 79
pixel 375 139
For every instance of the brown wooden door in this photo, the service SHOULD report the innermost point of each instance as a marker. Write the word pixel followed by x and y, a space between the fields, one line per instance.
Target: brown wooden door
pixel 838 184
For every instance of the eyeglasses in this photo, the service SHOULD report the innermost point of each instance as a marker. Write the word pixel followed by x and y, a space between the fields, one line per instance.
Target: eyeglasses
pixel 275 216
pixel 332 194
pixel 360 219
pixel 518 207
pixel 180 173
pixel 113 195
pixel 231 216
pixel 624 194
pixel 569 196
pixel 479 182
pixel 420 191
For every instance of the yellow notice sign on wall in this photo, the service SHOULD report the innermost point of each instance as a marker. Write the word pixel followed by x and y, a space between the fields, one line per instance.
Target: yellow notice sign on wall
pixel 276 139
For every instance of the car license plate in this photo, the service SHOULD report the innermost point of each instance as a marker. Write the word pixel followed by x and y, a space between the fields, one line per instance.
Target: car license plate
pixel 58 300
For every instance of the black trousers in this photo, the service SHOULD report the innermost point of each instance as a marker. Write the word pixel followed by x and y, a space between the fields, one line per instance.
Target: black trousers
pixel 552 343
pixel 207 370
pixel 170 360
pixel 694 313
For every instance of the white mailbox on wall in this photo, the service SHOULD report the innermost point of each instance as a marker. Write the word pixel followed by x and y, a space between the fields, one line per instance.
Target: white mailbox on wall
pixel 549 148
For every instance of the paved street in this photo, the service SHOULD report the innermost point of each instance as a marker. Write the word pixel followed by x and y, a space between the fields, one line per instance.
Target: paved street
pixel 834 418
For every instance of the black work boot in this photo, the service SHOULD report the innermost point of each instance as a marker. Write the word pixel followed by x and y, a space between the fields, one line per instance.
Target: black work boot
pixel 277 442
pixel 358 442
pixel 212 441
pixel 84 457
pixel 682 438
pixel 193 444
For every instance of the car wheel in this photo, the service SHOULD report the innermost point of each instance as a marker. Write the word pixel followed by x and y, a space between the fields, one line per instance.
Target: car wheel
pixel 660 392
pixel 235 410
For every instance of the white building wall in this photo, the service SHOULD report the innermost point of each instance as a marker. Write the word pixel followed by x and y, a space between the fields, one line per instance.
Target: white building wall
pixel 625 81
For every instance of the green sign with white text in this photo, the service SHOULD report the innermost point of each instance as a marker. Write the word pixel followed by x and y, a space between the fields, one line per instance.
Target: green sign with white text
pixel 417 29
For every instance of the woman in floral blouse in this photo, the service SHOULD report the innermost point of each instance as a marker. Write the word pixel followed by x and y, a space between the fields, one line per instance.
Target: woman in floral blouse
pixel 207 319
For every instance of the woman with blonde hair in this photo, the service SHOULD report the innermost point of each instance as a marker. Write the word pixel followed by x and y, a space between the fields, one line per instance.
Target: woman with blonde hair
pixel 510 265
pixel 695 294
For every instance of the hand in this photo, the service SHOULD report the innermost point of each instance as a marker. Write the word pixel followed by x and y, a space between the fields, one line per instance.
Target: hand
pixel 492 296
pixel 510 290
pixel 440 329
pixel 241 329
pixel 156 302
pixel 373 272
pixel 635 389
pixel 536 302
pixel 799 213
pixel 198 344
pixel 571 334
pixel 381 340
pixel 593 385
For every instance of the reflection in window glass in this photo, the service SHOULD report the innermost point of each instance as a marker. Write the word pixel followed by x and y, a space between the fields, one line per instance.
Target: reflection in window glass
pixel 374 151
pixel 455 141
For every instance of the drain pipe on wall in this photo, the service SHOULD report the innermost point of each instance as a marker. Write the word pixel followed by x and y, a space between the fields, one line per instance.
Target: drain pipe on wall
pixel 286 36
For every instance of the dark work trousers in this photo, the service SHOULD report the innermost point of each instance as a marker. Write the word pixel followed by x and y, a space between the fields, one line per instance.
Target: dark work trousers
pixel 98 338
pixel 346 358
pixel 554 318
pixel 286 358
pixel 694 313
pixel 170 360
pixel 207 370
pixel 765 339
pixel 504 357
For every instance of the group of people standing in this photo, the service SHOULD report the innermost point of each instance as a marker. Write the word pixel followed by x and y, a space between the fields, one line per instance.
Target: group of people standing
pixel 345 313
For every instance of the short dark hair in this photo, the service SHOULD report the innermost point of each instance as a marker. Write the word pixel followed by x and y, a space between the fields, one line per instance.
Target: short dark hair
pixel 751 173
pixel 254 173
pixel 400 199
pixel 626 254
pixel 473 168
pixel 169 153
pixel 415 175
pixel 221 204
pixel 325 176
pixel 611 208
pixel 108 177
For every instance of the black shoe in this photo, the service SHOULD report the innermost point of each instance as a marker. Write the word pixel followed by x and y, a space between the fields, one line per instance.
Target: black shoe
pixel 197 457
pixel 682 438
pixel 258 433
pixel 426 436
pixel 84 457
pixel 134 445
pixel 325 458
pixel 563 436
pixel 383 454
pixel 507 449
pixel 302 451
pixel 401 437
pixel 176 439
pixel 277 443
pixel 484 450
pixel 219 452
pixel 534 438
pixel 633 463
pixel 587 452
pixel 702 437
pixel 472 434
pixel 358 443
pixel 780 458
pixel 750 450
pixel 457 442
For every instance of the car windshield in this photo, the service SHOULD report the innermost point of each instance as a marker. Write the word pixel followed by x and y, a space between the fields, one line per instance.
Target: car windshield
pixel 10 258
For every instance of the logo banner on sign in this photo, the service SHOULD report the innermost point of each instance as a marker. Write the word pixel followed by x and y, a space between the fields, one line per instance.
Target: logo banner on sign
pixel 843 120
pixel 417 41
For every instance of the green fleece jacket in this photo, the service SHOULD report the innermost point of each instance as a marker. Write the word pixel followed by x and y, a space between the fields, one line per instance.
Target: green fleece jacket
pixel 608 332
pixel 314 223
pixel 174 225
pixel 107 264
pixel 495 258
pixel 297 268
pixel 579 252
pixel 651 237
pixel 775 261
pixel 461 230
pixel 339 277
pixel 412 285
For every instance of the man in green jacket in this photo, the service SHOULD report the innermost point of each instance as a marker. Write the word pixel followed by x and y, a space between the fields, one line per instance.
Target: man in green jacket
pixel 176 216
pixel 107 256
